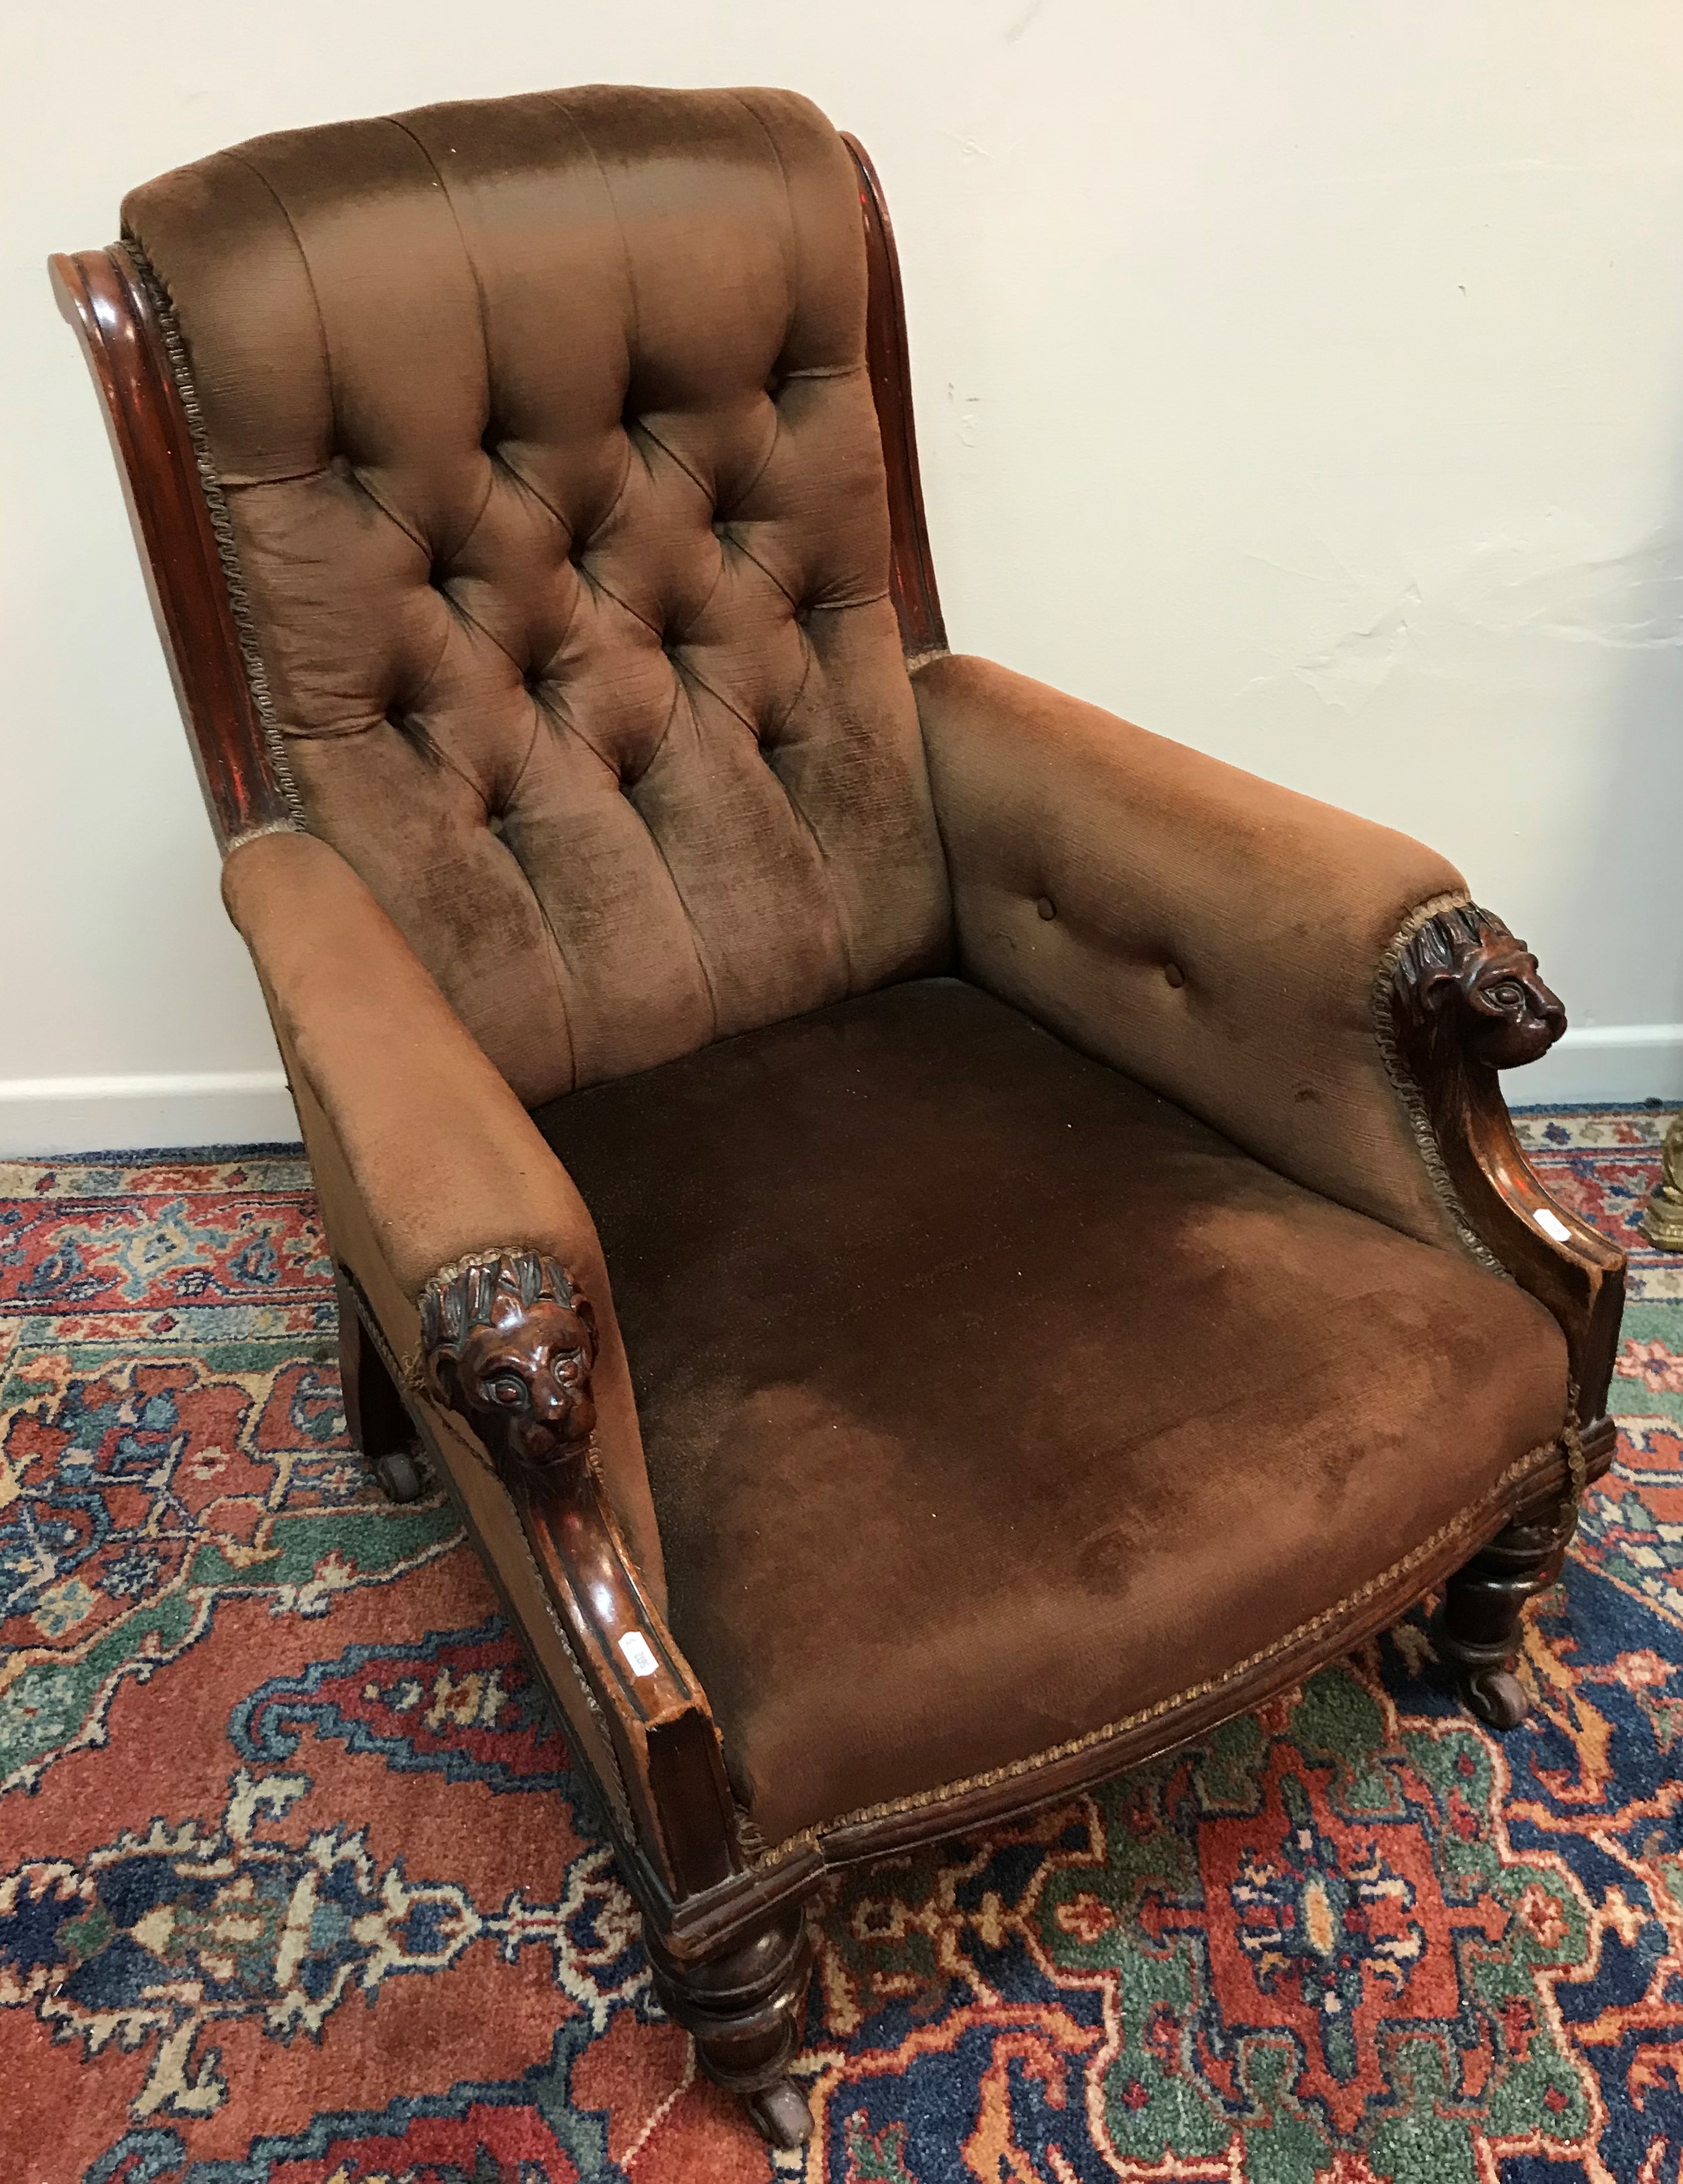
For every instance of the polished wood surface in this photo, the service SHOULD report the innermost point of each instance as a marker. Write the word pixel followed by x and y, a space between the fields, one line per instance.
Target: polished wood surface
pixel 1451 1049
pixel 659 1713
pixel 726 1940
pixel 912 573
pixel 743 2008
pixel 1476 1630
pixel 508 1342
pixel 1468 999
pixel 104 300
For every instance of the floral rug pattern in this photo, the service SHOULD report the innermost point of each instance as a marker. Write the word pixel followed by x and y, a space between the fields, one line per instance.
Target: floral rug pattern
pixel 297 1887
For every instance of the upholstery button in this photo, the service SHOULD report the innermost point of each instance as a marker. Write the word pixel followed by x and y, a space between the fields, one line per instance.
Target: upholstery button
pixel 1045 907
pixel 490 440
pixel 1174 974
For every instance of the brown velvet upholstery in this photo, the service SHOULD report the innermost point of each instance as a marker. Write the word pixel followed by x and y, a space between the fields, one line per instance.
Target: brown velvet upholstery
pixel 440 1158
pixel 988 1397
pixel 1214 935
pixel 545 434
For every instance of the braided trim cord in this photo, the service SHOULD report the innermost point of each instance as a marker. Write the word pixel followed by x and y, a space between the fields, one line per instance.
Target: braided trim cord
pixel 1464 1522
pixel 256 834
pixel 1572 1441
pixel 222 530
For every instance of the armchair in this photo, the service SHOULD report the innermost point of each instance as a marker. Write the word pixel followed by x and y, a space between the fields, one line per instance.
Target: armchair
pixel 944 1244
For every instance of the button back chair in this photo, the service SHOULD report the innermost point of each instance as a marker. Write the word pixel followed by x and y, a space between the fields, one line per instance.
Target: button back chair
pixel 943 1244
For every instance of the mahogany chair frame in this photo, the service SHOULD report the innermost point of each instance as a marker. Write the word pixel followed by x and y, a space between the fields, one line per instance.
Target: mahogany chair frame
pixel 725 1921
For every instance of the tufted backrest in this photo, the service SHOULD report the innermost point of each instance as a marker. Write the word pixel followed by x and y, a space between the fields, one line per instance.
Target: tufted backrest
pixel 557 527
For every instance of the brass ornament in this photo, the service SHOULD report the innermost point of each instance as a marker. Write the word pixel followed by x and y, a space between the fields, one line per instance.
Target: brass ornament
pixel 1662 1215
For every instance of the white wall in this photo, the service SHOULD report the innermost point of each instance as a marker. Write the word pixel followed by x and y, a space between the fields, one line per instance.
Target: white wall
pixel 1303 379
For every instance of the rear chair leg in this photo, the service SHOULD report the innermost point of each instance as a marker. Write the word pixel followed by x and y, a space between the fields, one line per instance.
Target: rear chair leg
pixel 375 1416
pixel 743 2008
pixel 1476 1631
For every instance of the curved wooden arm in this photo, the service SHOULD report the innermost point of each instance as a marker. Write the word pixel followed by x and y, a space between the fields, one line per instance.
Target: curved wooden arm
pixel 508 1342
pixel 104 298
pixel 911 568
pixel 1464 999
pixel 662 1724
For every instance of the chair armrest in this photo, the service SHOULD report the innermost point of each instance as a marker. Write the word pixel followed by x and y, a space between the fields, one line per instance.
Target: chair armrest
pixel 445 1163
pixel 446 1160
pixel 1215 936
pixel 470 1231
pixel 1315 986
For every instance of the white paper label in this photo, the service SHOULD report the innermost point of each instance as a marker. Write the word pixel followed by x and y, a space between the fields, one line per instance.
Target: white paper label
pixel 1552 1225
pixel 640 1654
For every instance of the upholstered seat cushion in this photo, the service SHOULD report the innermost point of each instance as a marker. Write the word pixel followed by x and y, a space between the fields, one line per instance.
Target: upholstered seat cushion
pixel 988 1397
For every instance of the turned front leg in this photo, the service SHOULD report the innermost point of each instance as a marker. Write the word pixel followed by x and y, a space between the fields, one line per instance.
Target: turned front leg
pixel 1476 1631
pixel 743 2007
pixel 376 1418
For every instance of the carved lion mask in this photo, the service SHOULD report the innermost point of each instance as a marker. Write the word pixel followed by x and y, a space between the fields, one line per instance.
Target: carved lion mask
pixel 1509 1017
pixel 508 1343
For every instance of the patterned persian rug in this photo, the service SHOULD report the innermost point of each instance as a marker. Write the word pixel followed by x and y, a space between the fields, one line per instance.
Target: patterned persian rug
pixel 296 1886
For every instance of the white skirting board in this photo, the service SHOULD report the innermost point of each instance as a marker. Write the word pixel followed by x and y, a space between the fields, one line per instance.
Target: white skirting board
pixel 50 1116
pixel 1612 1062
